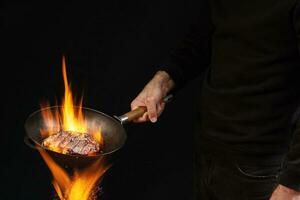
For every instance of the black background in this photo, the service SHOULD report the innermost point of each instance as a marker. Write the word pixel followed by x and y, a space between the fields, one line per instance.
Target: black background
pixel 112 48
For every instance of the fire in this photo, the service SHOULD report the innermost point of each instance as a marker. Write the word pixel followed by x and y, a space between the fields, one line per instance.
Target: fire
pixel 69 117
pixel 73 119
pixel 81 186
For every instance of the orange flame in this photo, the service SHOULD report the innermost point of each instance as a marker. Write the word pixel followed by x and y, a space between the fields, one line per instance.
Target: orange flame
pixel 51 121
pixel 69 118
pixel 73 119
pixel 81 185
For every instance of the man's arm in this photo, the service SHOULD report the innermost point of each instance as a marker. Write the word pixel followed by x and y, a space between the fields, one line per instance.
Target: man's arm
pixel 193 55
pixel 186 62
pixel 289 179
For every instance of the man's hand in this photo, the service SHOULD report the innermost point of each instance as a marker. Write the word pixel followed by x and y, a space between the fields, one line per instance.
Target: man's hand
pixel 285 193
pixel 152 96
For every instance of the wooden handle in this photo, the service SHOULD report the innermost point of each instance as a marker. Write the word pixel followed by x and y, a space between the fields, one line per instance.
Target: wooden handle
pixel 136 113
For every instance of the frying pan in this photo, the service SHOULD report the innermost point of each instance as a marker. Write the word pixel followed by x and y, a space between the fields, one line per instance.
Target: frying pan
pixel 112 129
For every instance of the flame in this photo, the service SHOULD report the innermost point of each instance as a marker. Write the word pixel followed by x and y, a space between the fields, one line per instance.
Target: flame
pixel 69 117
pixel 51 121
pixel 73 119
pixel 81 186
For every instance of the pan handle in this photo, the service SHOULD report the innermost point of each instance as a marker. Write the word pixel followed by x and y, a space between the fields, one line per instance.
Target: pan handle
pixel 138 112
pixel 29 142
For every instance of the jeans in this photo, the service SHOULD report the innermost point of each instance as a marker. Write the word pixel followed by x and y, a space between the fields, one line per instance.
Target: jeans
pixel 217 177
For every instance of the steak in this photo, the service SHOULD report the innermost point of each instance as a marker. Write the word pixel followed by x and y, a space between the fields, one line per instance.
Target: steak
pixel 73 143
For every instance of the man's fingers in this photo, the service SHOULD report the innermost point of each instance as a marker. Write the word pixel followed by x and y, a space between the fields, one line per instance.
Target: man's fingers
pixel 144 118
pixel 160 108
pixel 154 109
pixel 151 109
pixel 136 103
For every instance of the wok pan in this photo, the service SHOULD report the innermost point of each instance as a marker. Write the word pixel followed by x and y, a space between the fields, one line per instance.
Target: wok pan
pixel 113 133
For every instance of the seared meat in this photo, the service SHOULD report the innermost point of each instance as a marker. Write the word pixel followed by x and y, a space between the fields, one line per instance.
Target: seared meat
pixel 72 143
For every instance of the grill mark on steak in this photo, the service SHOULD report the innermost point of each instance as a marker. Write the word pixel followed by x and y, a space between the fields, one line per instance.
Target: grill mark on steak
pixel 73 143
pixel 65 142
pixel 79 146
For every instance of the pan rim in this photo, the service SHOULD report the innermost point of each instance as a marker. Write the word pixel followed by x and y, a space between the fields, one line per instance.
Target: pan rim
pixel 70 155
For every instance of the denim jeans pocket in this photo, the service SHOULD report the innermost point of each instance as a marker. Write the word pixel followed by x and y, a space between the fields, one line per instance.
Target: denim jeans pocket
pixel 258 171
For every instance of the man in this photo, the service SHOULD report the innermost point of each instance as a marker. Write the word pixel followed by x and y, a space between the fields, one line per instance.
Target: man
pixel 248 146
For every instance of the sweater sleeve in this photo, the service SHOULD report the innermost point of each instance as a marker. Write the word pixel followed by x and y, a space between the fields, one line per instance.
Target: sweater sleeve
pixel 290 176
pixel 192 56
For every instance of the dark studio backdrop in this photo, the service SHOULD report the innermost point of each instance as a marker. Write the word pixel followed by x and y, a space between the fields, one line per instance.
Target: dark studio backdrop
pixel 111 48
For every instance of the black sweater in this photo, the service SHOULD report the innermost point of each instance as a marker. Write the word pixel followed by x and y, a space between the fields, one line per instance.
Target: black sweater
pixel 249 53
